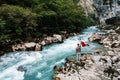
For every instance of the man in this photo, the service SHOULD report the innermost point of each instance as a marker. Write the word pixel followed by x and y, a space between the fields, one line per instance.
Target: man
pixel 78 50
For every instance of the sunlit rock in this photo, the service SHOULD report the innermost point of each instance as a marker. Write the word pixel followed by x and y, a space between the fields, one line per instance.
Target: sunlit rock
pixel 43 43
pixel 95 37
pixel 110 52
pixel 58 37
pixel 30 46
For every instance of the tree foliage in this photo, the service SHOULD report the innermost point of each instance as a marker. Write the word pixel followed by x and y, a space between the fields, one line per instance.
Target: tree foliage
pixel 59 15
pixel 24 3
pixel 19 22
pixel 26 19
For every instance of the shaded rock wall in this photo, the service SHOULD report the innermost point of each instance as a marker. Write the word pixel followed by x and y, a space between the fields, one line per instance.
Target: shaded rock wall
pixel 106 9
pixel 87 6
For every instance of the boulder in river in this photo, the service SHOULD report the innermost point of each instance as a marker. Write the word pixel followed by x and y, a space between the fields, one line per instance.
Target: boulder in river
pixel 21 68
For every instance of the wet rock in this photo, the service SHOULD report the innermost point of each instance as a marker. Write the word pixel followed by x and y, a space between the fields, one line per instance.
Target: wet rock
pixel 57 69
pixel 21 68
pixel 90 39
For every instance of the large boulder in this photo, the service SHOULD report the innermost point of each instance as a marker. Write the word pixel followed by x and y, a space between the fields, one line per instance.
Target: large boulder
pixel 95 37
pixel 58 37
pixel 30 46
pixel 43 43
pixel 21 68
pixel 49 39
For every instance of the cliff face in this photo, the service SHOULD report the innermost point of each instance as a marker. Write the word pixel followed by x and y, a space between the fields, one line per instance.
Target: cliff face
pixel 87 6
pixel 103 9
pixel 107 9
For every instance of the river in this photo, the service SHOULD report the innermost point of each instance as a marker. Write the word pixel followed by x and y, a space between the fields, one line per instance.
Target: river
pixel 39 65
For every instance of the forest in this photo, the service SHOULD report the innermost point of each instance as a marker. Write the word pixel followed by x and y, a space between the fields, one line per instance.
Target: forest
pixel 24 20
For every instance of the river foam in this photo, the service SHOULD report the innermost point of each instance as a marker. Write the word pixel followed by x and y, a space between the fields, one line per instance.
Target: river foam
pixel 11 73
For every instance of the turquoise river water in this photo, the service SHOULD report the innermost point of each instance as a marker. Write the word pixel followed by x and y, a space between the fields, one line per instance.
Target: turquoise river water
pixel 39 65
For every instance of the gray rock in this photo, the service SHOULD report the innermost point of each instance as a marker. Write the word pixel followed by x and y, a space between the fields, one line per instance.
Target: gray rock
pixel 21 68
pixel 110 52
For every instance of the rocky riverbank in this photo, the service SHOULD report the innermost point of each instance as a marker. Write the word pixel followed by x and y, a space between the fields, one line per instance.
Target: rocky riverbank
pixel 95 66
pixel 37 43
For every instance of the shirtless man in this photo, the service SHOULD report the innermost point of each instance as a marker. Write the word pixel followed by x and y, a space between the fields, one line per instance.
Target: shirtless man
pixel 78 50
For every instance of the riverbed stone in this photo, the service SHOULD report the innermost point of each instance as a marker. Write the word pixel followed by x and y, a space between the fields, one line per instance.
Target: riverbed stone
pixel 21 68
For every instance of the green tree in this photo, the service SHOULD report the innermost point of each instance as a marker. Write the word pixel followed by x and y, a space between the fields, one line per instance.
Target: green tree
pixel 56 15
pixel 20 22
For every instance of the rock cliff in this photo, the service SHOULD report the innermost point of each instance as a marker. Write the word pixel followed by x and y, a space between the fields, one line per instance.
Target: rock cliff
pixel 103 10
